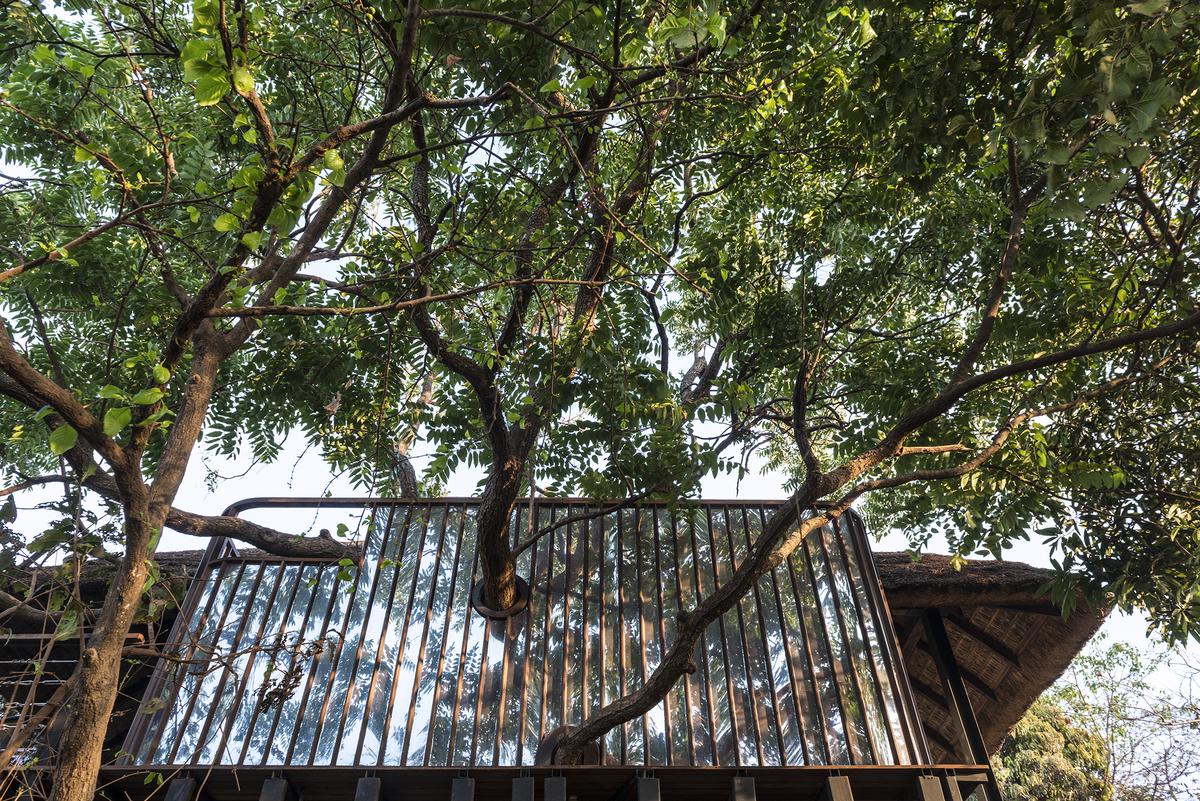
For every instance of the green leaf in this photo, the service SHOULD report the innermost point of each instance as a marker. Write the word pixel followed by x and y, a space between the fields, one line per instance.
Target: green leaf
pixel 1150 8
pixel 243 81
pixel 251 239
pixel 585 83
pixel 1137 155
pixel 211 88
pixel 116 418
pixel 226 222
pixel 109 392
pixel 147 397
pixel 551 85
pixel 62 439
pixel 82 154
pixel 865 32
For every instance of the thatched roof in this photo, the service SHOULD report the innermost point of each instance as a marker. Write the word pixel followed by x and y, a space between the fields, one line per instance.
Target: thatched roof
pixel 1010 642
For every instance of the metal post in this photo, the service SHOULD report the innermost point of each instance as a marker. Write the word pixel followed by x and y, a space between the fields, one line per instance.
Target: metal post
pixel 276 789
pixel 958 702
pixel 522 788
pixel 185 788
pixel 837 788
pixel 555 788
pixel 462 788
pixel 742 789
pixel 926 788
pixel 369 788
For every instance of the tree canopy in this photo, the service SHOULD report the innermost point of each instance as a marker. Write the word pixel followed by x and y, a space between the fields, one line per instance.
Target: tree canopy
pixel 939 258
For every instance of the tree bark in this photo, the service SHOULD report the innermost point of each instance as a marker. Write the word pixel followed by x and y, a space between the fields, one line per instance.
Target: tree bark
pixel 496 559
pixel 90 704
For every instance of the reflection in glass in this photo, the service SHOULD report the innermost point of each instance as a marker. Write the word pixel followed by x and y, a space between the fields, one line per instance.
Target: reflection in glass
pixel 301 662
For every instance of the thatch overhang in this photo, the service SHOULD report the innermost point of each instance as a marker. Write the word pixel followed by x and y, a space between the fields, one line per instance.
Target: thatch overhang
pixel 1009 641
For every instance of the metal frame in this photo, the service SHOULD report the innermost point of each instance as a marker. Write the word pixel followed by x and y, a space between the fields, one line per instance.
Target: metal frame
pixel 741 654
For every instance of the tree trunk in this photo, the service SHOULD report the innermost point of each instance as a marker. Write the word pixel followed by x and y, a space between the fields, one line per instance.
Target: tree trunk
pixel 496 506
pixel 90 706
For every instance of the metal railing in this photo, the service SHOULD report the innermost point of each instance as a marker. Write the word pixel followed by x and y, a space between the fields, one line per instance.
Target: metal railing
pixel 295 662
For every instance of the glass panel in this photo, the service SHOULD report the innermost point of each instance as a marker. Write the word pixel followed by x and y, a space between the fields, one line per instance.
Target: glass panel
pixel 852 706
pixel 199 740
pixel 391 665
pixel 273 690
pixel 419 714
pixel 211 622
pixel 372 645
pixel 258 653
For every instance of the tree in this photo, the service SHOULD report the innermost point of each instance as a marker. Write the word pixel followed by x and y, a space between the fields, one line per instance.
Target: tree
pixel 1049 757
pixel 1121 724
pixel 942 252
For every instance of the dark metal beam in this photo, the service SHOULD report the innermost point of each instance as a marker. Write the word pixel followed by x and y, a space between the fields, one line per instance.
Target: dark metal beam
pixel 837 788
pixel 462 788
pixel 185 788
pixel 369 788
pixel 926 788
pixel 522 788
pixel 555 788
pixel 970 677
pixel 959 702
pixel 742 789
pixel 276 789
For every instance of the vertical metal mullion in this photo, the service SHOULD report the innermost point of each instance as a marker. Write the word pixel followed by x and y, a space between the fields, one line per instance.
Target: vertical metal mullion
pixel 620 595
pixel 542 701
pixel 408 611
pixel 245 677
pixel 524 717
pixel 383 632
pixel 641 620
pixel 708 685
pixel 662 630
pixel 484 674
pixel 733 722
pixel 466 638
pixel 437 673
pixel 218 572
pixel 362 636
pixel 420 661
pixel 602 630
pixel 807 638
pixel 235 643
pixel 502 695
pixel 585 543
pixel 917 747
pixel 501 712
pixel 762 631
pixel 687 679
pixel 862 628
pixel 312 599
pixel 330 603
pixel 336 657
pixel 845 636
pixel 751 711
pixel 241 760
pixel 834 663
pixel 801 721
pixel 566 618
